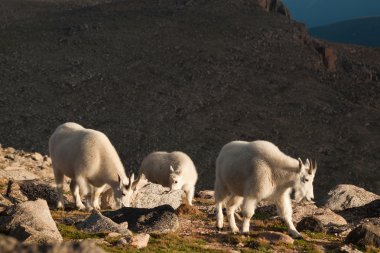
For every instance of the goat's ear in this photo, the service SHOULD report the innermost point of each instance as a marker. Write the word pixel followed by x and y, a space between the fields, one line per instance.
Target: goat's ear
pixel 132 178
pixel 171 169
pixel 307 163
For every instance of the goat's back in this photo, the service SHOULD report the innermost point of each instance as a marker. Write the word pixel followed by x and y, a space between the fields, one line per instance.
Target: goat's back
pixel 73 148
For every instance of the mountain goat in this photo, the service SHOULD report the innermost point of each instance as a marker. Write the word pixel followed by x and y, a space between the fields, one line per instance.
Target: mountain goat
pixel 248 172
pixel 174 170
pixel 91 161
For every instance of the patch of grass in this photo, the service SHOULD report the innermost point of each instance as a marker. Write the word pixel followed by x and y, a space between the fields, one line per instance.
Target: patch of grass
pixel 166 243
pixel 302 245
pixel 70 232
pixel 321 236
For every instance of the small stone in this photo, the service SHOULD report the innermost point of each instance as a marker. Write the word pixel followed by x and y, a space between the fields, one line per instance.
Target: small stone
pixel 139 241
pixel 37 157
pixel 275 237
pixel 113 235
pixel 207 194
pixel 122 241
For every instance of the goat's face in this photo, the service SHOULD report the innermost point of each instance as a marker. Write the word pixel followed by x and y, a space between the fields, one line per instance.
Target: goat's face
pixel 175 180
pixel 304 185
pixel 124 192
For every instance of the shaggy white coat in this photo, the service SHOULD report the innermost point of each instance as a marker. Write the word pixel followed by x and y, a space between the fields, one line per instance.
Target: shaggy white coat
pixel 248 172
pixel 91 161
pixel 174 170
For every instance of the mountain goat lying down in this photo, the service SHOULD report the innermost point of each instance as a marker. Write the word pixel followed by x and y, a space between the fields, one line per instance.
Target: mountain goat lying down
pixel 248 172
pixel 90 160
pixel 174 170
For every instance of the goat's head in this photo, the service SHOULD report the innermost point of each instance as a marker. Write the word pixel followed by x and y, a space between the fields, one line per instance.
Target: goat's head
pixel 123 193
pixel 304 185
pixel 175 180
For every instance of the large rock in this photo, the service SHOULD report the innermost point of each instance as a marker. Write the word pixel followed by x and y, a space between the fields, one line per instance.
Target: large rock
pixel 153 195
pixel 365 234
pixel 97 223
pixel 148 196
pixel 17 173
pixel 30 222
pixel 346 196
pixel 325 215
pixel 311 223
pixel 11 245
pixel 161 219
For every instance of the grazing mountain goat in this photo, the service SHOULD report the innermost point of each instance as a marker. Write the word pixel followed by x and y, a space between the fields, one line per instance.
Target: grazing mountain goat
pixel 174 170
pixel 89 159
pixel 248 172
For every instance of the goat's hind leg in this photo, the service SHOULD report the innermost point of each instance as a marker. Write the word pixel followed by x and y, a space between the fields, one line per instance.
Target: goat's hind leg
pixel 95 197
pixel 248 210
pixel 59 178
pixel 74 187
pixel 232 204
pixel 220 194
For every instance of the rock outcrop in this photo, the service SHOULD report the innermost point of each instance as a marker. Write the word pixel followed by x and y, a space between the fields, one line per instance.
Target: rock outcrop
pixel 30 222
pixel 346 196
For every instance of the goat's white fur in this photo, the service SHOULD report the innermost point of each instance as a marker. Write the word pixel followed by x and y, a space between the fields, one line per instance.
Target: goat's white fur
pixel 91 161
pixel 174 170
pixel 248 172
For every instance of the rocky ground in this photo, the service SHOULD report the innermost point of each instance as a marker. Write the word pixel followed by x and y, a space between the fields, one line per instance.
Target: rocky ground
pixel 191 76
pixel 348 221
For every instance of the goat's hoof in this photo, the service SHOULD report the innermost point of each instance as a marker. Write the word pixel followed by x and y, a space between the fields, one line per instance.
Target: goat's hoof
pixel 219 229
pixel 295 235
pixel 81 207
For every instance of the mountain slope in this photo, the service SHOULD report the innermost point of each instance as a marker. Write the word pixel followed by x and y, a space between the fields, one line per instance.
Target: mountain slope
pixel 364 31
pixel 156 76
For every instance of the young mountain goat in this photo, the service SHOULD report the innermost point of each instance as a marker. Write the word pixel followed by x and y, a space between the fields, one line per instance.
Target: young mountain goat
pixel 89 159
pixel 248 172
pixel 174 170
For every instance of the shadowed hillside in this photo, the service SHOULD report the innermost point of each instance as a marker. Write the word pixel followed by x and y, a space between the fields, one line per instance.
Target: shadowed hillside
pixel 156 76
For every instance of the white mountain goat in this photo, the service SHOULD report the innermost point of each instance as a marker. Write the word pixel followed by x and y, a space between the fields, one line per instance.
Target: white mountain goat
pixel 248 172
pixel 91 161
pixel 174 170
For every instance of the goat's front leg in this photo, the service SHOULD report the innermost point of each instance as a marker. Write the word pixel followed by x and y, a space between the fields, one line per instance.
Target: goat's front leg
pixel 284 209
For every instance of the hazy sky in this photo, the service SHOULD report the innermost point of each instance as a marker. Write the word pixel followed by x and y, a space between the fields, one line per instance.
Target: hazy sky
pixel 322 12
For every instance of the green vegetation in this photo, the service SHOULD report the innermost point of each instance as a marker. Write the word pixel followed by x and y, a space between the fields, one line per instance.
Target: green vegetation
pixel 70 232
pixel 167 243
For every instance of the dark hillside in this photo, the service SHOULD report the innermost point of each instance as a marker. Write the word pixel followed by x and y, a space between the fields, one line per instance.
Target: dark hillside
pixel 153 76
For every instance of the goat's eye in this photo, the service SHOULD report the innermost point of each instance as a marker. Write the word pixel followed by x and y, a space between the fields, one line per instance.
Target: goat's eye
pixel 175 182
pixel 306 180
pixel 123 194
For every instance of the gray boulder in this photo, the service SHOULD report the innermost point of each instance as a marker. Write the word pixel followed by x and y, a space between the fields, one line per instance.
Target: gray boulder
pixel 325 215
pixel 161 219
pixel 148 196
pixel 11 245
pixel 30 222
pixel 365 234
pixel 346 196
pixel 97 223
